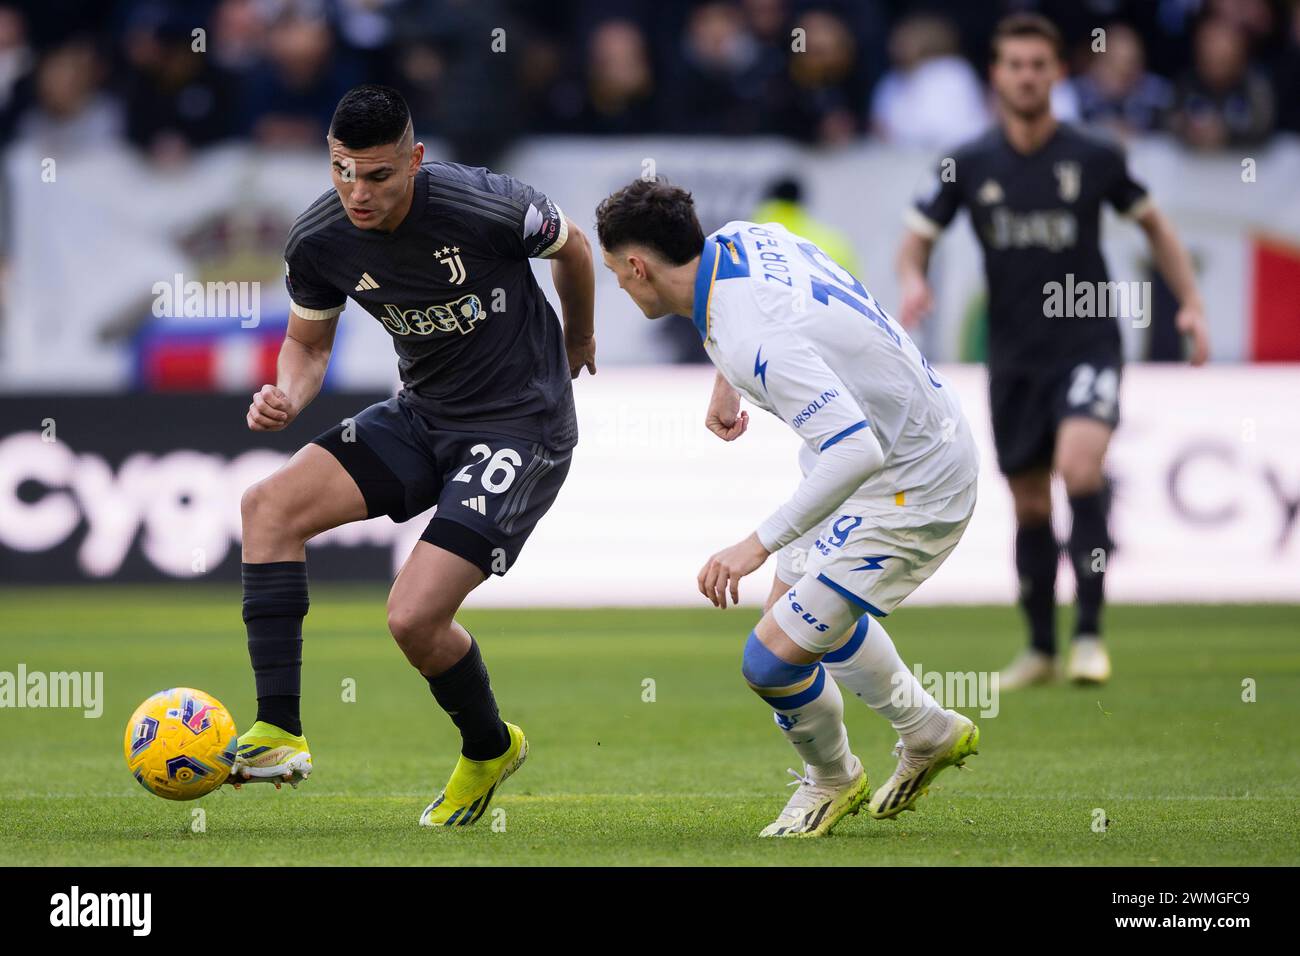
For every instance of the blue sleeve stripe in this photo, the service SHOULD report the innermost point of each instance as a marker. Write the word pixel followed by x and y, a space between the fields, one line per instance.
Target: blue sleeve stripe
pixel 851 597
pixel 844 434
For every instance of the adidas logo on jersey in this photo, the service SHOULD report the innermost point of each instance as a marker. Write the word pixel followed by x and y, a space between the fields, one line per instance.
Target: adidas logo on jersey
pixel 478 504
pixel 989 193
pixel 366 283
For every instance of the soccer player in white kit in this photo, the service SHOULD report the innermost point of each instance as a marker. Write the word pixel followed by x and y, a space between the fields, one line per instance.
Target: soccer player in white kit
pixel 889 484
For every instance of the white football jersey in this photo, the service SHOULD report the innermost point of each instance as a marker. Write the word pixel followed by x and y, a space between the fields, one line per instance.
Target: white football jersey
pixel 798 335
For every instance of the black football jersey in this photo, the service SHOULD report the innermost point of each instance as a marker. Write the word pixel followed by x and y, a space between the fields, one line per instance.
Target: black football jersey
pixel 479 347
pixel 1038 219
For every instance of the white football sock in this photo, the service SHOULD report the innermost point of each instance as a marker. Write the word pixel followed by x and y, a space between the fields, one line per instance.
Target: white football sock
pixel 816 731
pixel 875 673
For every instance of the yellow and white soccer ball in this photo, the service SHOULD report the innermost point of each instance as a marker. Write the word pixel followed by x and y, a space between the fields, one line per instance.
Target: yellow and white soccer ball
pixel 180 743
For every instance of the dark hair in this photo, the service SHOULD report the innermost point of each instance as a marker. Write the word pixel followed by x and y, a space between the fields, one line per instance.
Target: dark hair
pixel 654 213
pixel 787 188
pixel 370 116
pixel 1027 25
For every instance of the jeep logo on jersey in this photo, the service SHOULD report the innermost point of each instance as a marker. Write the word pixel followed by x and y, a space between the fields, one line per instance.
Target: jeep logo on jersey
pixel 459 316
pixel 1051 229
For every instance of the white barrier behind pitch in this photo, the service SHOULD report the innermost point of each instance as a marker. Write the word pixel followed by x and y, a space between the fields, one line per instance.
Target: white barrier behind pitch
pixel 1206 464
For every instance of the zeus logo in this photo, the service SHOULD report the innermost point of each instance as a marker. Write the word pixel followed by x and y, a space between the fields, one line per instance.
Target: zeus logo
pixel 807 618
pixel 875 563
pixel 458 316
pixel 760 368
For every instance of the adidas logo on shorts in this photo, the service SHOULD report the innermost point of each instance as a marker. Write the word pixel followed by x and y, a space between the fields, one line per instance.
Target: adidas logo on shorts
pixel 478 504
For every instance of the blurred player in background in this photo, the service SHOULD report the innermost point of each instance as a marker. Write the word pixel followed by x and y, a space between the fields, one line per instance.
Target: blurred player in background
pixel 483 427
pixel 786 203
pixel 887 456
pixel 1034 188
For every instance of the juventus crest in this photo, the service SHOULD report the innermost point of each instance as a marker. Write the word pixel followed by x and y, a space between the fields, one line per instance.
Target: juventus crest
pixel 450 257
pixel 1069 177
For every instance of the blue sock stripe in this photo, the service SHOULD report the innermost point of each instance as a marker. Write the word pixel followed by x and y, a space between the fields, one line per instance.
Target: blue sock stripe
pixel 764 669
pixel 801 698
pixel 849 647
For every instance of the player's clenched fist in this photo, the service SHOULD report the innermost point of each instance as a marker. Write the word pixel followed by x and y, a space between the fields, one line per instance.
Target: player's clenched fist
pixel 724 417
pixel 270 410
pixel 728 427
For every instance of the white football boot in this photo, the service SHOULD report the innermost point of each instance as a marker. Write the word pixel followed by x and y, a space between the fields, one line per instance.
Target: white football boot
pixel 815 808
pixel 1031 667
pixel 1089 662
pixel 917 769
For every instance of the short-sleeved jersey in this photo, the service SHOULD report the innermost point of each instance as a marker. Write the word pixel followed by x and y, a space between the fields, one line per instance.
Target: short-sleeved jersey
pixel 1038 219
pixel 799 336
pixel 478 345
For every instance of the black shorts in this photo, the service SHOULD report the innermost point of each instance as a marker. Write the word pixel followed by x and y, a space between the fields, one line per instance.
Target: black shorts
pixel 1029 405
pixel 491 490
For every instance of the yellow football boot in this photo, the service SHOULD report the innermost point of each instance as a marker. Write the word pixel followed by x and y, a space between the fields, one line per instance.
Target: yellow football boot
pixel 267 754
pixel 916 771
pixel 472 784
pixel 815 808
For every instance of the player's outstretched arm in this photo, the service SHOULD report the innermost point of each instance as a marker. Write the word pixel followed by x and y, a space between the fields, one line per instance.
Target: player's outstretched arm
pixel 1176 266
pixel 724 417
pixel 913 261
pixel 574 274
pixel 837 430
pixel 300 370
pixel 839 471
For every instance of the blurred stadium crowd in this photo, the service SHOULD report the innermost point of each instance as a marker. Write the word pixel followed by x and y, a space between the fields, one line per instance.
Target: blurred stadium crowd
pixel 480 73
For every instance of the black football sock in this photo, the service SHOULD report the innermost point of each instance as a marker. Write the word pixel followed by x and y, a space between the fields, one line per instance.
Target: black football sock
pixel 1036 559
pixel 464 692
pixel 281 710
pixel 275 602
pixel 1089 551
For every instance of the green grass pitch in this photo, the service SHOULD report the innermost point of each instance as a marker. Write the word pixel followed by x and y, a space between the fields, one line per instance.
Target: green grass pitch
pixel 1185 770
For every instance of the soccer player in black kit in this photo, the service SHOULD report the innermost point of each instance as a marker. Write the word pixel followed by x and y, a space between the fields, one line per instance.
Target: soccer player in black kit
pixel 483 427
pixel 1034 188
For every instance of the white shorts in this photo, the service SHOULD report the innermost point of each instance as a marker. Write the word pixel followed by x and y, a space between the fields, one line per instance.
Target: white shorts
pixel 875 554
